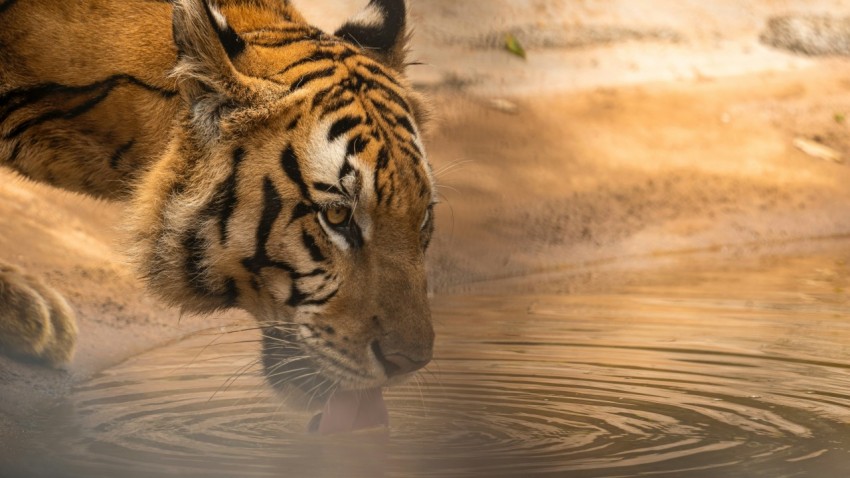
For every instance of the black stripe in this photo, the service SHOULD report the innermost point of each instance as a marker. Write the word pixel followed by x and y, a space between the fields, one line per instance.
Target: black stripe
pixel 289 162
pixel 5 5
pixel 294 123
pixel 300 210
pixel 16 151
pixel 321 55
pixel 380 72
pixel 383 108
pixel 196 271
pixel 355 235
pixel 231 292
pixel 301 35
pixel 225 199
pixel 336 104
pixel 59 114
pixel 14 100
pixel 319 98
pixel 296 297
pixel 316 75
pixel 379 80
pixel 380 164
pixel 388 127
pixel 328 188
pixel 343 126
pixel 415 154
pixel 322 300
pixel 233 44
pixel 272 207
pixel 288 29
pixel 383 159
pixel 389 117
pixel 356 146
pixel 385 105
pixel 314 273
pixel 390 189
pixel 345 170
pixel 406 124
pixel 119 153
pixel 394 97
pixel 310 244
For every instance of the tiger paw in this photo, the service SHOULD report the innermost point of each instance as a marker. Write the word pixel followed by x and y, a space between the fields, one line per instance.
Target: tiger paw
pixel 35 321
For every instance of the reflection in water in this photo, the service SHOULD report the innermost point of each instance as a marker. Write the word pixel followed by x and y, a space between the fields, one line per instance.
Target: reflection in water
pixel 701 372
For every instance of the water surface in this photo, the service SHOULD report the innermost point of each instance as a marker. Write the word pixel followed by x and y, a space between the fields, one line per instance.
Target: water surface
pixel 740 368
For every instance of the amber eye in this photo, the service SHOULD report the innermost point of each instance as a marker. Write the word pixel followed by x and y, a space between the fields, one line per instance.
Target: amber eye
pixel 337 216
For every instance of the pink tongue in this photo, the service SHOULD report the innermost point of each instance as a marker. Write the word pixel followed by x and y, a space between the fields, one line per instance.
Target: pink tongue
pixel 352 410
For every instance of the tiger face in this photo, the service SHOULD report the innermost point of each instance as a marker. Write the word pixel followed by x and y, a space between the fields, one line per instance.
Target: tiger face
pixel 297 188
pixel 344 269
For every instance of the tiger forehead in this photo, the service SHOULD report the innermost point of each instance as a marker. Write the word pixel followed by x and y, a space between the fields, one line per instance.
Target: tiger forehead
pixel 347 151
pixel 315 57
pixel 363 121
pixel 360 118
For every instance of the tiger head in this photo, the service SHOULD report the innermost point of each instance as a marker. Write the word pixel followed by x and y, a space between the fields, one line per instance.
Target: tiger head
pixel 296 187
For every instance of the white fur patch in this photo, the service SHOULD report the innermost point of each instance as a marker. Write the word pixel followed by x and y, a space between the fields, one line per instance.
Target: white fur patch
pixel 219 18
pixel 324 160
pixel 372 16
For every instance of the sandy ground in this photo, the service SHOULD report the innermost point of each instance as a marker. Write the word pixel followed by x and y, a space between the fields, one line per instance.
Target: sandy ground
pixel 612 174
pixel 629 132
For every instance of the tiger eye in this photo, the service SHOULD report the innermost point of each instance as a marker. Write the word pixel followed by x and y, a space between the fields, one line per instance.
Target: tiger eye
pixel 336 216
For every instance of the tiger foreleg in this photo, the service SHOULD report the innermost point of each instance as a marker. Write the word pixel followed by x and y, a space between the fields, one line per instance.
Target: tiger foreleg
pixel 35 320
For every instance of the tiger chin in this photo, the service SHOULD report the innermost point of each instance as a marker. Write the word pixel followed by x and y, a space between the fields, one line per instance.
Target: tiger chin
pixel 267 165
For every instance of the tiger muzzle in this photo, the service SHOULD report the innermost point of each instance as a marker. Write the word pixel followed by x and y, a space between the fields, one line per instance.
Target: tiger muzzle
pixel 403 362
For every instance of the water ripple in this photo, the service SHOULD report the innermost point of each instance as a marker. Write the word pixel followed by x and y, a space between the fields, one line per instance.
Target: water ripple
pixel 689 382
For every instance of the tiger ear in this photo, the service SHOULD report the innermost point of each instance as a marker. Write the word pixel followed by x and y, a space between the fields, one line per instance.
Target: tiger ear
pixel 380 30
pixel 206 48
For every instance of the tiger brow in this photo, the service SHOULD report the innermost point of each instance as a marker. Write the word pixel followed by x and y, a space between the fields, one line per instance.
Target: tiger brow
pixel 343 187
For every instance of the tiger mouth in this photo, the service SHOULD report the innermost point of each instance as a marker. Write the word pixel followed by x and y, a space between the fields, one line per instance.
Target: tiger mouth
pixel 305 377
pixel 310 379
pixel 346 399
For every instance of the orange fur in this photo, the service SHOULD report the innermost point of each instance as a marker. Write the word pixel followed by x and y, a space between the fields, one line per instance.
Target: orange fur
pixel 231 138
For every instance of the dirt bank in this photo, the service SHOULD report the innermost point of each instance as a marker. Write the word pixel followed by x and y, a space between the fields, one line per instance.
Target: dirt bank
pixel 610 173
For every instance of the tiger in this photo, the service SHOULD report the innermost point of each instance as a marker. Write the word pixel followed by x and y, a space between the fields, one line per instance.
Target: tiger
pixel 264 164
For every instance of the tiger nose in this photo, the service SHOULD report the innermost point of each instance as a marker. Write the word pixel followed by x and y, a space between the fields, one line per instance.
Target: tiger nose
pixel 396 364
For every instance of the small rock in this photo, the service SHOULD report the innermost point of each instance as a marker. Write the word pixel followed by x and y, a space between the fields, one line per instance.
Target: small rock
pixel 817 150
pixel 505 106
pixel 809 34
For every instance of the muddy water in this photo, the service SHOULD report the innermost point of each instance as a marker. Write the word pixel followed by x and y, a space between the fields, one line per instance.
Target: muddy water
pixel 740 369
